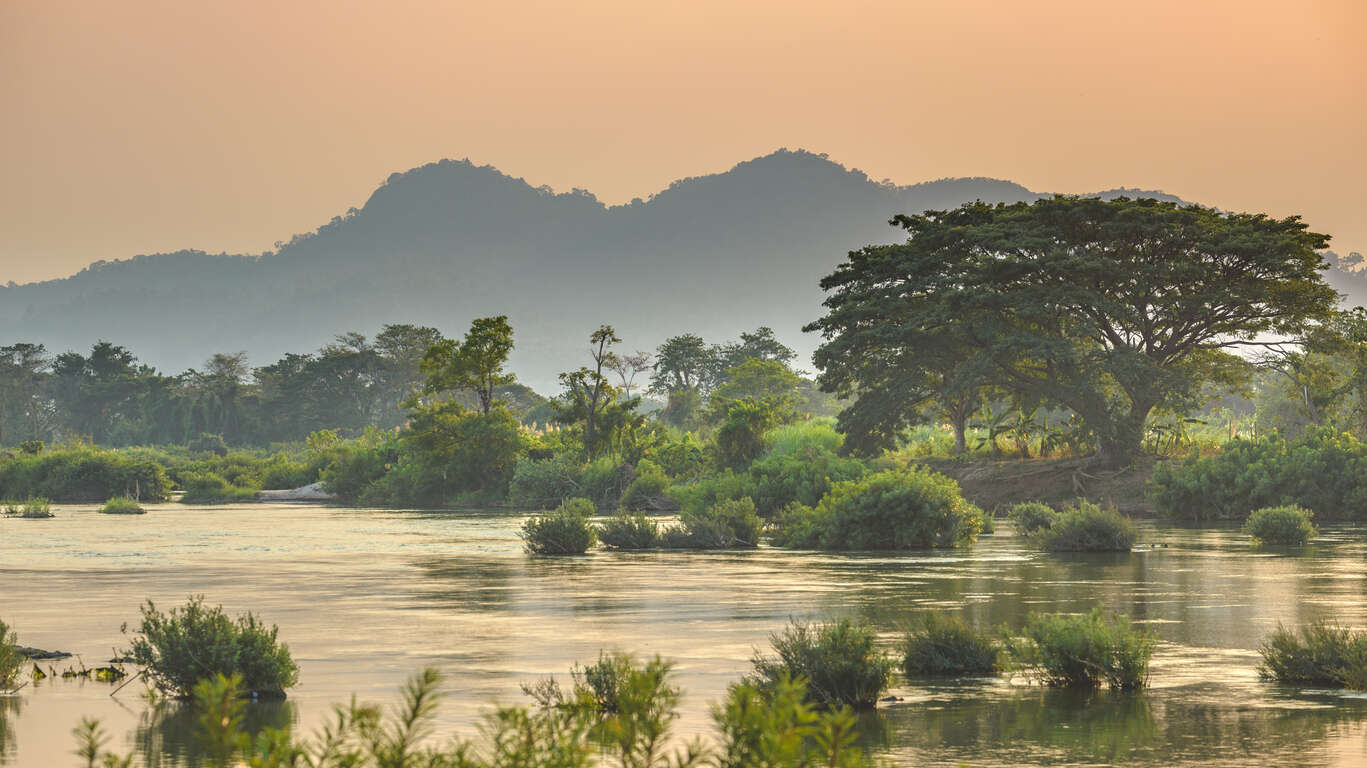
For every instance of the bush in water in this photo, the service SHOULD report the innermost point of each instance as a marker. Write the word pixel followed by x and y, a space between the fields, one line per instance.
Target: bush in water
pixel 564 531
pixel 839 660
pixel 1084 651
pixel 1281 525
pixel 629 532
pixel 1321 654
pixel 940 644
pixel 1087 528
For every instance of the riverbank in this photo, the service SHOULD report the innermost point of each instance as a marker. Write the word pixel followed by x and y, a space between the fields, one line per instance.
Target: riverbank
pixel 1000 483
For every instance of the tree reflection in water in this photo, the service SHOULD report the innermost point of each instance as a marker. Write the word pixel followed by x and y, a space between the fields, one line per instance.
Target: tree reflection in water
pixel 166 731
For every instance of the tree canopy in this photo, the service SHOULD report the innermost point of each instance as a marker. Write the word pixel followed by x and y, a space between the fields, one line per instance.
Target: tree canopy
pixel 1108 307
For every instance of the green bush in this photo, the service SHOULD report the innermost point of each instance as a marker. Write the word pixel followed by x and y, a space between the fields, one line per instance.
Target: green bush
pixel 193 642
pixel 1289 525
pixel 208 443
pixel 840 662
pixel 629 532
pixel 545 482
pixel 777 726
pixel 82 474
pixel 725 525
pixel 647 489
pixel 122 505
pixel 355 467
pixel 1321 655
pixel 1084 651
pixel 894 509
pixel 941 644
pixel 739 439
pixel 564 531
pixel 10 660
pixel 1087 527
pixel 1030 516
pixel 1324 471
pixel 208 488
pixel 799 468
pixel 32 509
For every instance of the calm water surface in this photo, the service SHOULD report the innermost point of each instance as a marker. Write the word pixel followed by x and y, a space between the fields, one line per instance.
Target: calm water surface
pixel 366 597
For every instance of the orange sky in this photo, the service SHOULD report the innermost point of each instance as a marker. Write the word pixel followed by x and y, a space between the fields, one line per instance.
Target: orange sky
pixel 131 126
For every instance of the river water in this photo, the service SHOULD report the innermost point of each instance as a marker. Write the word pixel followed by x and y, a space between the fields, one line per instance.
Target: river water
pixel 365 598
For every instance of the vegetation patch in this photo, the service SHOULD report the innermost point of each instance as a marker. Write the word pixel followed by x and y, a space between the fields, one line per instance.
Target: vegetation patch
pixel 894 509
pixel 942 644
pixel 1322 654
pixel 563 531
pixel 1288 525
pixel 730 524
pixel 81 473
pixel 1084 651
pixel 840 661
pixel 1031 516
pixel 629 532
pixel 30 509
pixel 11 660
pixel 1087 527
pixel 122 505
pixel 209 488
pixel 193 642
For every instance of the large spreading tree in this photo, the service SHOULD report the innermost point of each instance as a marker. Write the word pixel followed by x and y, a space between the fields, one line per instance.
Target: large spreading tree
pixel 1110 308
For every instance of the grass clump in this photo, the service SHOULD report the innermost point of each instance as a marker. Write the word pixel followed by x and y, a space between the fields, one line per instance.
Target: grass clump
pixel 10 659
pixel 31 509
pixel 122 505
pixel 209 488
pixel 193 642
pixel 629 532
pixel 941 644
pixel 730 524
pixel 1084 651
pixel 563 531
pixel 1321 654
pixel 1031 516
pixel 839 660
pixel 1287 525
pixel 896 509
pixel 1087 527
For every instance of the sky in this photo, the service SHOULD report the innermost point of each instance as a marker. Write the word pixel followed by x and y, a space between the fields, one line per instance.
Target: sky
pixel 139 127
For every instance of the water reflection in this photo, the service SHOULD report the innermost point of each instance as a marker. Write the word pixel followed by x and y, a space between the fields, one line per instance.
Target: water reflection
pixel 10 707
pixel 165 736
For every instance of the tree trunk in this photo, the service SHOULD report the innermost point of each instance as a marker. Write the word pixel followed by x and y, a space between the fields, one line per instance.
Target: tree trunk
pixel 960 424
pixel 1125 440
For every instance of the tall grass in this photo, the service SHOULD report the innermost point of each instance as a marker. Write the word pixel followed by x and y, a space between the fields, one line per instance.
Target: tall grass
pixel 840 661
pixel 1322 654
pixel 942 644
pixel 1084 651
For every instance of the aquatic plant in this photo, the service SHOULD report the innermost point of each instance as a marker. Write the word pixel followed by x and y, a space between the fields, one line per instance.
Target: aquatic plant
pixel 1084 651
pixel 563 531
pixel 1321 654
pixel 730 524
pixel 10 658
pixel 189 643
pixel 894 509
pixel 939 643
pixel 629 532
pixel 778 726
pixel 122 505
pixel 209 488
pixel 1087 527
pixel 32 509
pixel 840 662
pixel 1288 525
pixel 1030 516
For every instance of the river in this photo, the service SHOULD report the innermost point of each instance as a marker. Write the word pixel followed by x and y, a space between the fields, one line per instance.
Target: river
pixel 365 598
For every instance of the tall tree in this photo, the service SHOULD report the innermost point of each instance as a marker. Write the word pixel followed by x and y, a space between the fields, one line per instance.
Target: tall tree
pixel 25 409
pixel 589 398
pixel 475 364
pixel 1111 308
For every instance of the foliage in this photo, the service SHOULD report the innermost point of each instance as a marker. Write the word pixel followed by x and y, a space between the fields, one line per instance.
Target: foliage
pixel 193 642
pixel 80 473
pixel 740 438
pixel 1322 654
pixel 592 406
pixel 355 466
pixel 629 532
pixel 208 443
pixel 208 488
pixel 938 643
pixel 1109 307
pixel 564 531
pixel 776 727
pixel 476 364
pixel 647 488
pixel 1085 651
pixel 1281 525
pixel 10 660
pixel 892 509
pixel 729 524
pixel 840 662
pixel 455 451
pixel 1031 516
pixel 799 467
pixel 544 482
pixel 1087 527
pixel 1325 472
pixel 122 505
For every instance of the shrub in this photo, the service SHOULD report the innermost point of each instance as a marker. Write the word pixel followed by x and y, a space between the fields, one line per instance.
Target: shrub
pixel 545 482
pixel 10 659
pixel 893 509
pixel 1281 525
pixel 32 509
pixel 1087 528
pixel 840 662
pixel 740 438
pixel 725 525
pixel 355 467
pixel 209 488
pixel 776 726
pixel 629 532
pixel 1030 516
pixel 564 531
pixel 647 489
pixel 1085 651
pixel 800 469
pixel 603 482
pixel 32 447
pixel 1324 471
pixel 1323 654
pixel 941 644
pixel 193 642
pixel 208 443
pixel 82 474
pixel 122 505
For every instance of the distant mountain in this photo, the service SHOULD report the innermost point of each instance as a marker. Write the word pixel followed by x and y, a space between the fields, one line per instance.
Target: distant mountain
pixel 450 241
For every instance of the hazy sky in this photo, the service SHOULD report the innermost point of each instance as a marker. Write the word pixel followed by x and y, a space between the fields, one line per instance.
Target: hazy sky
pixel 134 127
